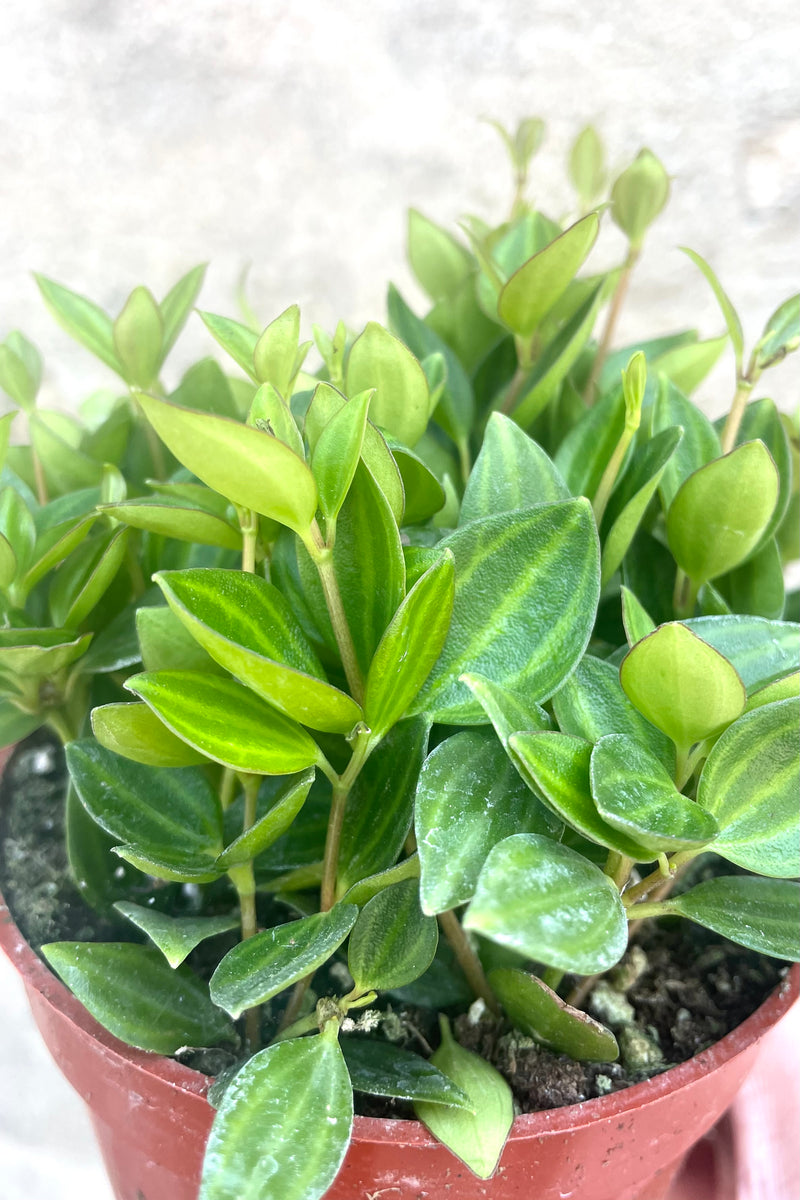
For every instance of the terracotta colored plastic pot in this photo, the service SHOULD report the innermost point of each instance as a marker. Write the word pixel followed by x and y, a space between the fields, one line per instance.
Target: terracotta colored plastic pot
pixel 152 1119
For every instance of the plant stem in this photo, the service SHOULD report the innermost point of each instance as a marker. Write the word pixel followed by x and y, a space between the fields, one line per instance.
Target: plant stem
pixel 611 472
pixel 744 386
pixel 653 909
pixel 38 474
pixel 322 556
pixel 656 878
pixel 341 790
pixel 61 726
pixel 513 391
pixel 243 878
pixel 468 960
pixel 552 978
pixel 617 301
pixel 684 596
pixel 248 523
pixel 227 788
pixel 618 868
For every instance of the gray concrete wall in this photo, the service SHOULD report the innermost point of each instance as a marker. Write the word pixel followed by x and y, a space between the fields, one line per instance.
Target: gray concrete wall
pixel 138 138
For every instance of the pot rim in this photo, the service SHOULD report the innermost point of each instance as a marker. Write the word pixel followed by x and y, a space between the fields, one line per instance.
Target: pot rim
pixel 37 975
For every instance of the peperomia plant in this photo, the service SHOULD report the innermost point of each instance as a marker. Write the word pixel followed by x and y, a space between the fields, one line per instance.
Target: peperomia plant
pixel 479 636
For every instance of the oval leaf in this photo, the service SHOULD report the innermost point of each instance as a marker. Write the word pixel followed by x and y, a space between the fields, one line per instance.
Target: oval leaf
pixel 510 472
pixel 401 404
pixel 381 1069
pixel 533 289
pixel 135 732
pixel 762 914
pixel 175 937
pixel 533 1008
pixel 392 942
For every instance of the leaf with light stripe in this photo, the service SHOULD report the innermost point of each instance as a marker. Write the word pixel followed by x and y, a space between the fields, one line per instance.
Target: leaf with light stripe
pixel 631 497
pixel 759 649
pixel 134 731
pixel 534 288
pixel 248 467
pixel 283 1126
pixel 762 914
pixel 175 937
pixel 750 784
pixel 526 591
pixel 161 514
pixel 510 472
pixel 393 942
pixel 267 829
pixel 508 712
pixel 248 627
pixel 549 903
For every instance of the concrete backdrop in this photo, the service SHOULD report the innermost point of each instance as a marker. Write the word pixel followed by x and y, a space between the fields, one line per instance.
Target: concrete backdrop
pixel 139 138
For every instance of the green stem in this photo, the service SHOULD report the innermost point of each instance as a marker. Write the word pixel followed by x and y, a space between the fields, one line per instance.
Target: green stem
pixel 618 868
pixel 617 301
pixel 243 879
pixel 468 960
pixel 61 726
pixel 341 791
pixel 643 911
pixel 656 878
pixel 464 458
pixel 513 391
pixel 744 386
pixel 552 978
pixel 227 788
pixel 611 472
pixel 684 597
pixel 323 560
pixel 248 523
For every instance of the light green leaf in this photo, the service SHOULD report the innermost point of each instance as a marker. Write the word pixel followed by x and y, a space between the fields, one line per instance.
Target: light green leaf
pixel 549 903
pixel 135 732
pixel 160 514
pixel 166 645
pixel 476 1137
pixel 584 453
pixel 410 647
pixel 719 513
pixel 237 340
pixel 526 583
pixel 138 336
pixel 439 262
pixel 14 723
pixel 762 914
pixel 401 404
pixel 82 319
pixel 270 413
pixel 134 993
pixel 508 713
pixel 267 829
pixel 270 961
pixel 175 937
pixel 533 1008
pixel 630 499
pixel 337 452
pixel 756 586
pixel 682 685
pixel 248 467
pixel 206 387
pixel 226 722
pixel 294 1094
pixel 248 627
pixel 638 196
pixel 750 784
pixel 781 689
pixel 634 792
pixel 39 652
pixel 178 303
pixel 687 366
pixel 381 1069
pixel 699 445
pixel 469 798
pixel 393 942
pixel 84 578
pixel 728 311
pixel 511 472
pixel 533 289
pixel 635 617
pixel 781 334
pixel 759 650
pixel 275 351
pixel 586 165
pixel 424 494
pixel 15 379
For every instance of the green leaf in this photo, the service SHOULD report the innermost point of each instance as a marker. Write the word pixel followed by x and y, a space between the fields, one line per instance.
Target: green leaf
pixel 587 171
pixel 511 472
pixel 526 583
pixel 248 467
pixel 508 713
pixel 584 453
pixel 270 961
pixel 39 652
pixel 162 515
pixel 206 387
pixel 756 585
pixel 18 533
pixel 146 806
pixel 635 617
pixel 410 647
pixel 630 500
pixel 762 421
pixel 14 723
pixel 592 704
pixel 477 1137
pixel 759 650
pixel 134 993
pixel 638 196
pixel 82 319
pixel 166 645
pixel 424 494
pixel 178 303
pixel 762 914
pixel 66 467
pixel 138 336
pixel 732 321
pixel 469 798
pixel 135 732
pixel 781 334
pixel 293 1095
pixel 533 289
pixel 276 351
pixel 175 937
pixel 401 404
pixel 750 784
pixel 699 445
pixel 687 366
pixel 556 767
pixel 392 942
pixel 533 1008
pixel 337 452
pixel 634 792
pixel 682 685
pixel 16 380
pixel 226 722
pixel 380 805
pixel 558 358
pixel 248 627
pixel 170 863
pixel 381 1069
pixel 439 262
pixel 781 689
pixel 267 829
pixel 719 513
pixel 237 340
pixel 549 903
pixel 84 578
pixel 53 546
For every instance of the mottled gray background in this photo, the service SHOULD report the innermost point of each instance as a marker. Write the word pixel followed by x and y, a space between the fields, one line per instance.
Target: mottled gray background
pixel 139 138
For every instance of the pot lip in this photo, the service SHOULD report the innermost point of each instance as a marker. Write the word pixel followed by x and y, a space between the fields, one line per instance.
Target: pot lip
pixel 36 975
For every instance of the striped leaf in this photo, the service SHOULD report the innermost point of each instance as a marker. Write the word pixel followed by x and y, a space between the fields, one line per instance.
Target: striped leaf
pixel 283 1125
pixel 760 650
pixel 534 1009
pixel 750 784
pixel 393 942
pixel 226 722
pixel 381 1069
pixel 549 903
pixel 762 914
pixel 508 712
pixel 510 472
pixel 272 825
pixel 534 288
pixel 469 798
pixel 526 592
pixel 248 627
pixel 135 732
pixel 175 937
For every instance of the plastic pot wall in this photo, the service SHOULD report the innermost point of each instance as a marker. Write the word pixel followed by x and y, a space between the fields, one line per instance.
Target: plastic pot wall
pixel 152 1119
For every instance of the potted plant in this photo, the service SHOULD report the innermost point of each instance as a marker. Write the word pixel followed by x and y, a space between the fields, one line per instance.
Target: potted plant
pixel 464 662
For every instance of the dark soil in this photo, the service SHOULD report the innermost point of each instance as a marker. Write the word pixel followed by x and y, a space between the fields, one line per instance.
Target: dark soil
pixel 679 989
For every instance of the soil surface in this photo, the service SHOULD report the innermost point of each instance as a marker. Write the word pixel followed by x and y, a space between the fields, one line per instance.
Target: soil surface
pixel 679 989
